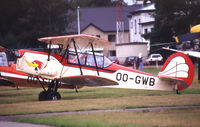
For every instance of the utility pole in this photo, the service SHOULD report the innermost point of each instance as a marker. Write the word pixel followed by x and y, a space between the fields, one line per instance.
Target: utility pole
pixel 78 19
pixel 119 22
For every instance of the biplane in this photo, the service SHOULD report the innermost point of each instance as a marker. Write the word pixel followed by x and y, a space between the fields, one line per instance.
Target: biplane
pixel 72 67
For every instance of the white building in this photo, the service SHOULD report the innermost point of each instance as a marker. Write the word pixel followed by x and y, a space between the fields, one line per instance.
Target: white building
pixel 140 23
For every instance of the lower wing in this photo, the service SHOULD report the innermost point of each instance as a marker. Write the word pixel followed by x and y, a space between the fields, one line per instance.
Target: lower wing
pixel 5 82
pixel 87 80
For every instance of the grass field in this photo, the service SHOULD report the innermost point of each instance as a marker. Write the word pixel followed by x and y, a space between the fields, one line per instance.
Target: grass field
pixel 169 118
pixel 25 101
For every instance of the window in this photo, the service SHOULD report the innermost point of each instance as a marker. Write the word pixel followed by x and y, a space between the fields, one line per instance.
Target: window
pixel 131 25
pixel 151 29
pixel 98 36
pixel 112 38
pixel 135 26
pixel 112 53
pixel 145 31
pixel 87 59
pixel 140 26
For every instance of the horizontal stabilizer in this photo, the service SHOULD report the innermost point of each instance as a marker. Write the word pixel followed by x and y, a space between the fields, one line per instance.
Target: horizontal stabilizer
pixel 173 80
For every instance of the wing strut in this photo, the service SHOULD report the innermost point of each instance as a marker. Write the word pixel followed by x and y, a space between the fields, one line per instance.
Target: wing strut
pixel 66 50
pixel 49 51
pixel 95 59
pixel 77 56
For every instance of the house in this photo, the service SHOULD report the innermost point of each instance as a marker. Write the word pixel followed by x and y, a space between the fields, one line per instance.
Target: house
pixel 101 22
pixel 141 22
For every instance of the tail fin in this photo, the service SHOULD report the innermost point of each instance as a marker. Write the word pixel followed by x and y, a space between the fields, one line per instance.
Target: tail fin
pixel 178 66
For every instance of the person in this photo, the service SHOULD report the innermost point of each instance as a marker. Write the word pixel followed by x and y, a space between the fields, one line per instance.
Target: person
pixel 141 66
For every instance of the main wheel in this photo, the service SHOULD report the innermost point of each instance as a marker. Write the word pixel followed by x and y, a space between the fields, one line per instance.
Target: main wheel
pixel 43 96
pixel 54 96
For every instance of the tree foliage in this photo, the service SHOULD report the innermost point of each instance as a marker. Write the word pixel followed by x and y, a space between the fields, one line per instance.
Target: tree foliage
pixel 23 21
pixel 174 17
pixel 26 20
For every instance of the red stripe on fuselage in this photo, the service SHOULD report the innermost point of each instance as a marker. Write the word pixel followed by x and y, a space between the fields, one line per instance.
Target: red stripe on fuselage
pixel 115 67
pixel 12 70
pixel 110 69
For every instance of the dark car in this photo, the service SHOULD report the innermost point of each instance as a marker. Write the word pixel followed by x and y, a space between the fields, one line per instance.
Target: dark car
pixel 114 59
pixel 130 60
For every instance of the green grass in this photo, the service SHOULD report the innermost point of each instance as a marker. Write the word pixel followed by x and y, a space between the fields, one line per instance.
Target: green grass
pixel 25 101
pixel 12 101
pixel 154 71
pixel 168 118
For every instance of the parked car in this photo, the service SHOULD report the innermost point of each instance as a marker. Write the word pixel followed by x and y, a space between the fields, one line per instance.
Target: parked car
pixel 129 61
pixel 153 58
pixel 114 59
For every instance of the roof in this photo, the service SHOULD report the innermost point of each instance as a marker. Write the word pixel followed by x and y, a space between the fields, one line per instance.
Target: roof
pixel 103 18
pixel 147 8
pixel 147 23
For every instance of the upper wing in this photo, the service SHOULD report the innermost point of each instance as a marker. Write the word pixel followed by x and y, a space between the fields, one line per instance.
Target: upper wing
pixel 81 40
pixel 87 80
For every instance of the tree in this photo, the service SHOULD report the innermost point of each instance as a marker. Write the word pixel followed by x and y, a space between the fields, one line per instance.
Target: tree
pixel 44 18
pixel 174 17
pixel 33 19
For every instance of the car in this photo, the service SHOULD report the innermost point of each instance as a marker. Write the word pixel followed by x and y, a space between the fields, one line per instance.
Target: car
pixel 114 59
pixel 130 60
pixel 153 58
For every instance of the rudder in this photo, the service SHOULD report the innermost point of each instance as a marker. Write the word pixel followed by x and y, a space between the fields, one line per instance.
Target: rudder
pixel 178 66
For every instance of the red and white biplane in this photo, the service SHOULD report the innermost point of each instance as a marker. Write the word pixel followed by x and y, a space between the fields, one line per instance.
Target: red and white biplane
pixel 74 68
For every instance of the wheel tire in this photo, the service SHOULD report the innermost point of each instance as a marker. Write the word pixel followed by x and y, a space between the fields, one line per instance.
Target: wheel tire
pixel 58 96
pixel 54 96
pixel 43 96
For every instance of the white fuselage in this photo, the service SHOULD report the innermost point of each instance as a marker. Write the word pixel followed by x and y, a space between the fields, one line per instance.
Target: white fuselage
pixel 53 69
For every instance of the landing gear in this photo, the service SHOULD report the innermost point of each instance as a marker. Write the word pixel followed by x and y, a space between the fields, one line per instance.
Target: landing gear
pixel 51 93
pixel 76 89
pixel 178 92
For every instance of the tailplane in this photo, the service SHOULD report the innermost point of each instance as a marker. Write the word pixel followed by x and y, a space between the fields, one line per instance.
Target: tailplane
pixel 179 68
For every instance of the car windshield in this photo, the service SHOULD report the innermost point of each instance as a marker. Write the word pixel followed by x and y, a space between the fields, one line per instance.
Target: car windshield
pixel 130 58
pixel 155 56
pixel 87 59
